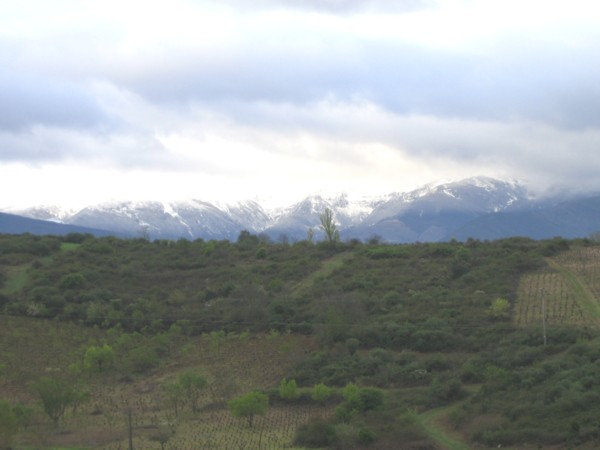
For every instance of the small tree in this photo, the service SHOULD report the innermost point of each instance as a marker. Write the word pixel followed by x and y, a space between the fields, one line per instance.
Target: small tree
pixel 174 393
pixel 249 405
pixel 56 396
pixel 98 357
pixel 499 309
pixel 192 384
pixel 328 224
pixel 288 390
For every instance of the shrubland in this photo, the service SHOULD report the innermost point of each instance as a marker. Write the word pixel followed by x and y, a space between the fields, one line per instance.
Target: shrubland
pixel 195 344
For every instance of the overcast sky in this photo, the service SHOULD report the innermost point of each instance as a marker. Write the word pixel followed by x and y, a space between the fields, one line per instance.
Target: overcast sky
pixel 234 99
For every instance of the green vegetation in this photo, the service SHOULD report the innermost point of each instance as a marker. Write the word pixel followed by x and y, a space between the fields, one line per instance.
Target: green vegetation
pixel 327 344
pixel 249 405
pixel 8 424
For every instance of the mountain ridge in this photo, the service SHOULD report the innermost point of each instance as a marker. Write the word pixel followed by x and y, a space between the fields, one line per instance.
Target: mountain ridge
pixel 478 207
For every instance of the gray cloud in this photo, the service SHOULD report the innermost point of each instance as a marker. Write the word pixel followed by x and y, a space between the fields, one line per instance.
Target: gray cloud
pixel 555 85
pixel 519 104
pixel 27 100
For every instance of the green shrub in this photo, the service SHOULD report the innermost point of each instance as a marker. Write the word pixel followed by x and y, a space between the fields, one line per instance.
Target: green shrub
pixel 288 390
pixel 321 393
pixel 9 425
pixel 316 433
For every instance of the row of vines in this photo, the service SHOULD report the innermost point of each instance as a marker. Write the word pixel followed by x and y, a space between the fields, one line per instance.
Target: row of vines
pixel 562 292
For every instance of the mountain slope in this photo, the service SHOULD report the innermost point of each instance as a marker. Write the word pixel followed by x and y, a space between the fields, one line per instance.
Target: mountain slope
pixel 14 224
pixel 434 212
pixel 570 219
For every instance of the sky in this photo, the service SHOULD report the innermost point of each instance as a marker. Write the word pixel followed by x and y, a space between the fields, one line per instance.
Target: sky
pixel 277 99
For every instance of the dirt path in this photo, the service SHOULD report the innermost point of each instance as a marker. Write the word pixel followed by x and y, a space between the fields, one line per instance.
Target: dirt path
pixel 430 423
pixel 326 269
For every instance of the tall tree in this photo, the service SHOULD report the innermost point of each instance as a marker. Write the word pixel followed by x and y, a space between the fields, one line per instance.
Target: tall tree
pixel 327 219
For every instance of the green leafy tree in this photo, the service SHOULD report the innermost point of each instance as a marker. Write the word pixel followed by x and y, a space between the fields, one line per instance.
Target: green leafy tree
pixel 499 309
pixel 9 425
pixel 98 357
pixel 174 394
pixel 192 384
pixel 358 400
pixel 321 393
pixel 327 219
pixel 249 405
pixel 288 390
pixel 56 396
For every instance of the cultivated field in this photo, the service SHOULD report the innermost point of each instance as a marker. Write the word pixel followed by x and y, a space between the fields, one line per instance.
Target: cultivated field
pixel 232 364
pixel 568 290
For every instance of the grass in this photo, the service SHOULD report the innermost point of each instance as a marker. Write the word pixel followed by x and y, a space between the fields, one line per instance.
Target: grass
pixel 16 279
pixel 69 246
pixel 430 424
pixel 327 268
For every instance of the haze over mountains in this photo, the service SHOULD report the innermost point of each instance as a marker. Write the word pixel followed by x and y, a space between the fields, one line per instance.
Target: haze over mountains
pixel 480 207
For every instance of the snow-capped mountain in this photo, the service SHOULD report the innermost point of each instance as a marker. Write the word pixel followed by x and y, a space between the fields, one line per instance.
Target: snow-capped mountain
pixel 433 212
pixel 160 220
pixel 295 220
pixel 478 207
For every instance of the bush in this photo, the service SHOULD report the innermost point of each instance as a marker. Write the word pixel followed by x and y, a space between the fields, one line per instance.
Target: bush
pixel 143 358
pixel 288 390
pixel 366 436
pixel 321 393
pixel 442 392
pixel 315 434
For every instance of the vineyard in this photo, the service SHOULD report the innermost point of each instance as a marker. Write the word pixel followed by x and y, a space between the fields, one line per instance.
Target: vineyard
pixel 232 363
pixel 566 292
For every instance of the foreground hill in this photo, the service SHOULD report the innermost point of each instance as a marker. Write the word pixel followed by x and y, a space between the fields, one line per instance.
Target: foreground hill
pixel 423 346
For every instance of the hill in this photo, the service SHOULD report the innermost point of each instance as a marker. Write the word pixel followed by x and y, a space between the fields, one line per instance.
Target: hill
pixel 432 345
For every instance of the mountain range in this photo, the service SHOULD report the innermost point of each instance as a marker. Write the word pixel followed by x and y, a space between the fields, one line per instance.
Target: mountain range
pixel 479 207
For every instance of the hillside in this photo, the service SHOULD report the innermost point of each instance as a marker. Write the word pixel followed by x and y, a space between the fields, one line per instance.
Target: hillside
pixel 15 224
pixel 431 346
